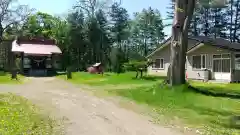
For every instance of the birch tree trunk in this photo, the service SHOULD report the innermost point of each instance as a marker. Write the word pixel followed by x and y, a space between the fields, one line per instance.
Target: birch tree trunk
pixel 182 18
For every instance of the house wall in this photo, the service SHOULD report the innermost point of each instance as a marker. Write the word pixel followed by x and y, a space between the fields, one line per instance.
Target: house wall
pixel 208 50
pixel 165 54
pixel 236 76
pixel 235 70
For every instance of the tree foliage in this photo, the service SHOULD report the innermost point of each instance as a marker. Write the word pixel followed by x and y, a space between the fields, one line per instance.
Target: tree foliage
pixel 119 35
pixel 213 22
pixel 94 31
pixel 147 30
pixel 11 16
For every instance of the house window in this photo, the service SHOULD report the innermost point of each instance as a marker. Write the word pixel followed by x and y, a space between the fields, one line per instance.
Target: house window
pixel 221 63
pixel 226 65
pixel 217 56
pixel 237 61
pixel 203 61
pixel 159 63
pixel 199 61
pixel 217 65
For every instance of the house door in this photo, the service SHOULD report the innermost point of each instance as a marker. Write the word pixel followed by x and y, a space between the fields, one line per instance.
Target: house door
pixel 222 67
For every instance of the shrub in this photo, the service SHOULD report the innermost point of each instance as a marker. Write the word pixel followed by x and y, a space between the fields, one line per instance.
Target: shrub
pixel 135 65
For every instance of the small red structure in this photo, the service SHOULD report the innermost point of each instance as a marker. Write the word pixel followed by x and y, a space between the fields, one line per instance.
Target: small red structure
pixel 95 69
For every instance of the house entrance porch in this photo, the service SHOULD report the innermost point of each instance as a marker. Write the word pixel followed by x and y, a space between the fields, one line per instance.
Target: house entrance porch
pixel 221 67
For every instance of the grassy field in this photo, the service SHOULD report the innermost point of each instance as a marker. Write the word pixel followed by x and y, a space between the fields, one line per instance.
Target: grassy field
pixel 206 114
pixel 18 116
pixel 111 79
pixel 6 78
pixel 233 89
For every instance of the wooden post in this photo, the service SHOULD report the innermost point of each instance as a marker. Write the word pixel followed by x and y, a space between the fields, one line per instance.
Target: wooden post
pixel 22 63
pixel 13 67
pixel 69 72
pixel 52 65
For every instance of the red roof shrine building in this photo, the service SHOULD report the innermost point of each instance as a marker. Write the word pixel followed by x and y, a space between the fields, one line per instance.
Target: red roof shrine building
pixel 37 56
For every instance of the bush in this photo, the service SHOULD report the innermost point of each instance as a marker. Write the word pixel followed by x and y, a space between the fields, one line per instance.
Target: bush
pixel 135 65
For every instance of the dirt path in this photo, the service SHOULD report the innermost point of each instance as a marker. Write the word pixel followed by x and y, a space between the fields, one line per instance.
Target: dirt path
pixel 85 114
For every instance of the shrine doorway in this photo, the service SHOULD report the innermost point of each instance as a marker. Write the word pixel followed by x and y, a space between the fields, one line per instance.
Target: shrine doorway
pixel 38 65
pixel 38 62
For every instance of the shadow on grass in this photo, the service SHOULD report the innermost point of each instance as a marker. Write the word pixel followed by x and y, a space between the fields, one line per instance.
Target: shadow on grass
pixel 107 74
pixel 214 92
pixel 153 78
pixel 227 125
pixel 150 78
pixel 50 74
pixel 2 73
pixel 211 111
pixel 188 106
pixel 225 118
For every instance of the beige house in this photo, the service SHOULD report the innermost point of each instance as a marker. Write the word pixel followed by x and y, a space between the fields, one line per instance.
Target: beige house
pixel 207 58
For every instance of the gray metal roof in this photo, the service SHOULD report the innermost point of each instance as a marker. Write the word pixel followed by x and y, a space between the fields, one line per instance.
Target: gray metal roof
pixel 195 41
pixel 219 42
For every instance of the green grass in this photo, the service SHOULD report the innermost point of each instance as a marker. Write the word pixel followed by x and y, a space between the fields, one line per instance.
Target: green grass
pixel 18 116
pixel 218 88
pixel 205 113
pixel 110 79
pixel 5 78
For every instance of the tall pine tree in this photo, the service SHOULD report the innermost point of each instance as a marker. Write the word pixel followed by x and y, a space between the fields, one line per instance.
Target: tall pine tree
pixel 120 33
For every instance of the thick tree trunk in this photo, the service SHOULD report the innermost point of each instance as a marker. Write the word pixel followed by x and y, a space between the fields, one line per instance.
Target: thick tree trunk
pixel 174 73
pixel 1 33
pixel 183 15
pixel 184 39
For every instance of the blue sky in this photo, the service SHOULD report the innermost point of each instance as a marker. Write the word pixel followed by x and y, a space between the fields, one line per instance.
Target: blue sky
pixel 58 7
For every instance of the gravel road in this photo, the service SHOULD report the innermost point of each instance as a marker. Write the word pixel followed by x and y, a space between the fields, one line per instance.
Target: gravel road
pixel 85 114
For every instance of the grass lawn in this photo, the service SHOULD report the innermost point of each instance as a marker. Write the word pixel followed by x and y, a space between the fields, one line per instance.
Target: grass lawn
pixel 207 114
pixel 233 89
pixel 5 78
pixel 110 79
pixel 18 116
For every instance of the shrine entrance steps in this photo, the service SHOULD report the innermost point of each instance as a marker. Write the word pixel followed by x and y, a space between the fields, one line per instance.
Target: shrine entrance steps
pixel 38 72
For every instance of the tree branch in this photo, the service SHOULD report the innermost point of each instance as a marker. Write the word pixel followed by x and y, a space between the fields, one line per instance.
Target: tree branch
pixel 189 13
pixel 84 8
pixel 10 14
